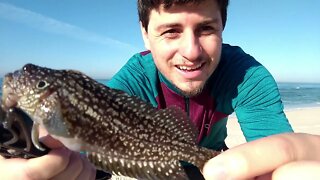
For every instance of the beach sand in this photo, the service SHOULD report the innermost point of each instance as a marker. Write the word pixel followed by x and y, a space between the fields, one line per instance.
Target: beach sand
pixel 305 120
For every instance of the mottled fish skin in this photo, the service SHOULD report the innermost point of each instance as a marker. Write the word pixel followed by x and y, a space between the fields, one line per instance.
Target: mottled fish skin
pixel 120 133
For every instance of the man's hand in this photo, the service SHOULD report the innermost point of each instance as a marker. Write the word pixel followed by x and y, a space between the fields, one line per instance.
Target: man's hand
pixel 284 156
pixel 60 163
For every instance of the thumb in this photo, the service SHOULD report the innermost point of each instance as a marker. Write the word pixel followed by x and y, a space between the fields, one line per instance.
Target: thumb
pixel 48 140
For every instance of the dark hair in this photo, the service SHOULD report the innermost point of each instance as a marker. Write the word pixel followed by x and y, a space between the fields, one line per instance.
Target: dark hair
pixel 145 6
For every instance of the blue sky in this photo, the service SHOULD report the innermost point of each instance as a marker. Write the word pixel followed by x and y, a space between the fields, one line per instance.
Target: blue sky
pixel 98 36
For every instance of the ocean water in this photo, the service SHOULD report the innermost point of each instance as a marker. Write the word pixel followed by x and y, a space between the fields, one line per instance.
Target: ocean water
pixel 294 95
pixel 300 95
pixel 0 87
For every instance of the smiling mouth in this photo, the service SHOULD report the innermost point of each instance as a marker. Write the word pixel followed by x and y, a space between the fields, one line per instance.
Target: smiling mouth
pixel 190 68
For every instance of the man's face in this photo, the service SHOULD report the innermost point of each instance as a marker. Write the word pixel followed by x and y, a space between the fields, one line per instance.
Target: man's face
pixel 185 42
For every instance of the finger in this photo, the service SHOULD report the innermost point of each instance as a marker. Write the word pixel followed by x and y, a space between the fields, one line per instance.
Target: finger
pixel 267 176
pixel 73 169
pixel 47 166
pixel 89 171
pixel 260 157
pixel 298 170
pixel 50 142
pixel 12 165
pixel 242 162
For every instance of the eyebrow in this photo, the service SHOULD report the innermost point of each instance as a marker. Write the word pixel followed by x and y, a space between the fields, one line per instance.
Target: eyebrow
pixel 167 26
pixel 211 21
pixel 173 25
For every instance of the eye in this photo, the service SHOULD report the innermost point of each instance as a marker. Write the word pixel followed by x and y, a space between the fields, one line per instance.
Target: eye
pixel 42 84
pixel 207 30
pixel 171 33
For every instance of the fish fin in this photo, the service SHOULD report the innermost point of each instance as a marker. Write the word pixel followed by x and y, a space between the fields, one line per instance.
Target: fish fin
pixel 177 124
pixel 35 136
pixel 140 169
pixel 202 156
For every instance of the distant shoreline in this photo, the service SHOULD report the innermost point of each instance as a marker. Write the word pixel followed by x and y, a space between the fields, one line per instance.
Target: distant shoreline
pixel 301 108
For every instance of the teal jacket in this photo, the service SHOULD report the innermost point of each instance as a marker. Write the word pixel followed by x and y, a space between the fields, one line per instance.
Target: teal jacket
pixel 240 84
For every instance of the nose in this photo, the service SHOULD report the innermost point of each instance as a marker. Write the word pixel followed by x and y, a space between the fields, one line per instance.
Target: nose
pixel 190 47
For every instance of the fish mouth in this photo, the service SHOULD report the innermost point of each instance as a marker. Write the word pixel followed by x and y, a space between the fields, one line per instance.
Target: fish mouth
pixel 9 98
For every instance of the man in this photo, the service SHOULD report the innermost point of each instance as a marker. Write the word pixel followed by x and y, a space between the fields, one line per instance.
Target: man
pixel 187 66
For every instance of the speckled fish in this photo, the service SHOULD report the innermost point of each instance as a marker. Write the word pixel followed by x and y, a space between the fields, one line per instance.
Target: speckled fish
pixel 120 133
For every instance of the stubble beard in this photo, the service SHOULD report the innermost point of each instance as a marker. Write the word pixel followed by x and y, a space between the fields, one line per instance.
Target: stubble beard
pixel 194 91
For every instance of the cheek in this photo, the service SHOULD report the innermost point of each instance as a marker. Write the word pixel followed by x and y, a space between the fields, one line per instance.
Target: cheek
pixel 162 53
pixel 212 46
pixel 212 50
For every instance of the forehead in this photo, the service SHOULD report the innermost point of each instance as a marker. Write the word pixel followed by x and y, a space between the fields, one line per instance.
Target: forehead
pixel 194 13
pixel 207 8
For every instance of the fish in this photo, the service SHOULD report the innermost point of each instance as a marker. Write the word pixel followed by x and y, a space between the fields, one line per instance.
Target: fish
pixel 119 133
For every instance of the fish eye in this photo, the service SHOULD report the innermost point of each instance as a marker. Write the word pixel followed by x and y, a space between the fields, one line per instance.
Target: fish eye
pixel 42 84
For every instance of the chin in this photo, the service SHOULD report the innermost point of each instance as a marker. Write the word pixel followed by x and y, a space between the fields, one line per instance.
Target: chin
pixel 190 89
pixel 191 93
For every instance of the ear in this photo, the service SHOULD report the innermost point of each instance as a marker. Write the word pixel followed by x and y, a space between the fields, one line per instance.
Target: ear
pixel 145 37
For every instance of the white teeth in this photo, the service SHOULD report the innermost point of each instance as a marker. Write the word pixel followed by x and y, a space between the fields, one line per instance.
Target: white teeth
pixel 188 68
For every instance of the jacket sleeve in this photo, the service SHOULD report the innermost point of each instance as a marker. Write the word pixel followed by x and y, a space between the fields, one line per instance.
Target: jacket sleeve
pixel 258 105
pixel 138 77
